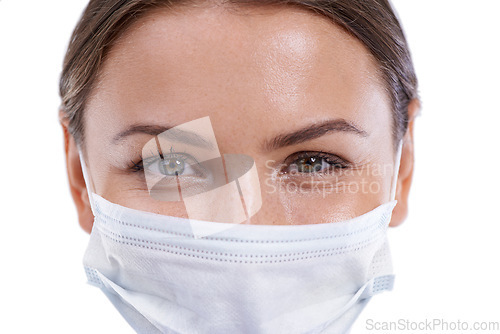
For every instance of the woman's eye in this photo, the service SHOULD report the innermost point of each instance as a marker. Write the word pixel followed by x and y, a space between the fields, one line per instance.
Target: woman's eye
pixel 314 163
pixel 173 164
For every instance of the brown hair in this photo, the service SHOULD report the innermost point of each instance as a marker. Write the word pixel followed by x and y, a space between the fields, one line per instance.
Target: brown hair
pixel 373 22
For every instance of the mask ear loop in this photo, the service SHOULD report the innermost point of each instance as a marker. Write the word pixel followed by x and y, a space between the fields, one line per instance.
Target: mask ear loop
pixel 88 181
pixel 397 163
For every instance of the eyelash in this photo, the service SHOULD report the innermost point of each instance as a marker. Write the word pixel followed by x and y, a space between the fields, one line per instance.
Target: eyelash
pixel 136 167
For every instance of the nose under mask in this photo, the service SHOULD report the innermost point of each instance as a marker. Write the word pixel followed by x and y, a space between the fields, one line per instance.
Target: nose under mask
pixel 244 279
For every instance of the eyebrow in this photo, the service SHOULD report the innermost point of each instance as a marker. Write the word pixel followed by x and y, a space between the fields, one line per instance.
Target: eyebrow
pixel 312 132
pixel 181 136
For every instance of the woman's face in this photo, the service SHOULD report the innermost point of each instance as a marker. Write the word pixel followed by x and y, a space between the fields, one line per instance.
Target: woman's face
pixel 284 86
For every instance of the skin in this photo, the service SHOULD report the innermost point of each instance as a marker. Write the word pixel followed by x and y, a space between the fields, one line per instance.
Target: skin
pixel 257 73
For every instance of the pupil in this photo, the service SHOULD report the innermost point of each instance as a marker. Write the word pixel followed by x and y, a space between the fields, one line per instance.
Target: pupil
pixel 310 165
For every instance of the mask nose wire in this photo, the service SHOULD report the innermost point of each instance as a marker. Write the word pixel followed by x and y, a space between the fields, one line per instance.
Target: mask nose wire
pixel 397 163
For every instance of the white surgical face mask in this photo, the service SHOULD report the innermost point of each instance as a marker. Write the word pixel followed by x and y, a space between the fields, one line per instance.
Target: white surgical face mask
pixel 163 278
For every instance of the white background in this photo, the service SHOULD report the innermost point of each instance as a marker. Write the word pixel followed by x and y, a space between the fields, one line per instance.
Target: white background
pixel 445 255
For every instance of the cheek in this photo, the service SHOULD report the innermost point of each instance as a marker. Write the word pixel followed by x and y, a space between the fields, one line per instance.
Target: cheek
pixel 141 200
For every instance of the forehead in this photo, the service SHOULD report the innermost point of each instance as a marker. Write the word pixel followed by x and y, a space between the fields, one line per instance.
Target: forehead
pixel 273 63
